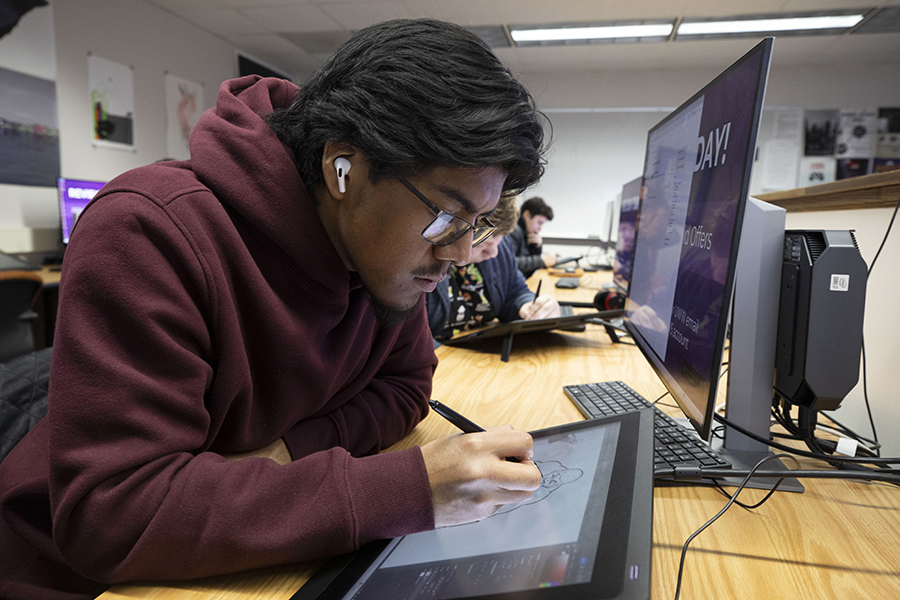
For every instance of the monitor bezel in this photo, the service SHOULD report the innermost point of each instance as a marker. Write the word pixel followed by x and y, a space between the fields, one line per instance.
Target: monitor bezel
pixel 704 428
pixel 623 287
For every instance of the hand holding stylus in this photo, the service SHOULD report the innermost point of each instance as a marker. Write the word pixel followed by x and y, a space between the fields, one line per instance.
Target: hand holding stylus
pixel 468 482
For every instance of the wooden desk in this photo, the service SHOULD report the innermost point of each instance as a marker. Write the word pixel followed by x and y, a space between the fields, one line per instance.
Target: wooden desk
pixel 837 540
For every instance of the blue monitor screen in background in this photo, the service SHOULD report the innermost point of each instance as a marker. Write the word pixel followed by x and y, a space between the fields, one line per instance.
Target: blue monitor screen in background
pixel 628 215
pixel 74 195
pixel 695 184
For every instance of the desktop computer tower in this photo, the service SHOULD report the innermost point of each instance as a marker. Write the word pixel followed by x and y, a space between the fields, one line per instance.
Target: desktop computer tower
pixel 820 319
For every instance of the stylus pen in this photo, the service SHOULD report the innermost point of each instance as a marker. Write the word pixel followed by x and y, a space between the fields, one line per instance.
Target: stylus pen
pixel 538 292
pixel 460 421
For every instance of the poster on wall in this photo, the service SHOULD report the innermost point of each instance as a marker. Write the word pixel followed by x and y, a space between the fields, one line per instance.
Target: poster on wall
pixel 851 167
pixel 820 127
pixel 817 169
pixel 29 130
pixel 112 103
pixel 883 165
pixel 184 105
pixel 780 151
pixel 888 133
pixel 857 133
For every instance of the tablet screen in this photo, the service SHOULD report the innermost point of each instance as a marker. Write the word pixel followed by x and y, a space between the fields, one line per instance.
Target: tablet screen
pixel 568 541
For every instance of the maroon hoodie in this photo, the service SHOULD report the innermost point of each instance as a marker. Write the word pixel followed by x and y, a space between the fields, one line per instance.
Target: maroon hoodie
pixel 204 311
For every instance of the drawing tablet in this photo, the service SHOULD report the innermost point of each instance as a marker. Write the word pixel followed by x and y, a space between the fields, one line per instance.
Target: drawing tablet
pixel 585 534
pixel 509 330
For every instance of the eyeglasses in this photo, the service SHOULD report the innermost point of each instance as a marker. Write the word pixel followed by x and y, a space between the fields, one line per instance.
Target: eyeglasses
pixel 447 228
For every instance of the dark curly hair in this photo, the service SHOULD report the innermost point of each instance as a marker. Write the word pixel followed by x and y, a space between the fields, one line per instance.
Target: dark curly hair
pixel 536 206
pixel 414 95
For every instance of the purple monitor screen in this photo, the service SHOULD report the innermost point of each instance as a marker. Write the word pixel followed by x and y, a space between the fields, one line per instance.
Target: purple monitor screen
pixel 628 215
pixel 74 195
pixel 695 184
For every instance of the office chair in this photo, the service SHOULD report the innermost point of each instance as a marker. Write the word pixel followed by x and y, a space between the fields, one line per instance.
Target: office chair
pixel 24 386
pixel 18 290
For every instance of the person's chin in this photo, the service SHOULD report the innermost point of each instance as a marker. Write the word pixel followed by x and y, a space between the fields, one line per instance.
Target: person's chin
pixel 394 312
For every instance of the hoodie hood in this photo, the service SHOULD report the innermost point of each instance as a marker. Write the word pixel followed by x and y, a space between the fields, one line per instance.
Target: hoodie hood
pixel 236 154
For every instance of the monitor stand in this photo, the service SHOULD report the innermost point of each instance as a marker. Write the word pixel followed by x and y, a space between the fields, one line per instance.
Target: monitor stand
pixel 754 327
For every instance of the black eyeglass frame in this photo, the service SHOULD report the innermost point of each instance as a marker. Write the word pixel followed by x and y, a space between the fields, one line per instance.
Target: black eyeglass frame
pixel 480 232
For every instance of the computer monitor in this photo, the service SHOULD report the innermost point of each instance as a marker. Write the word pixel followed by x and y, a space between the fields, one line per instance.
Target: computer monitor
pixel 628 214
pixel 695 185
pixel 74 195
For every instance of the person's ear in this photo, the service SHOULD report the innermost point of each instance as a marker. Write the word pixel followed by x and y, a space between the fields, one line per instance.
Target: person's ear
pixel 337 161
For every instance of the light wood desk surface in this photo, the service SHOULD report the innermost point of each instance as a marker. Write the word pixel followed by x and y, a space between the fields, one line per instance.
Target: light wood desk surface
pixel 838 540
pixel 50 274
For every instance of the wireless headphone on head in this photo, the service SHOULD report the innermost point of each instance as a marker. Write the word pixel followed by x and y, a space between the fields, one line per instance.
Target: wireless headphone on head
pixel 342 165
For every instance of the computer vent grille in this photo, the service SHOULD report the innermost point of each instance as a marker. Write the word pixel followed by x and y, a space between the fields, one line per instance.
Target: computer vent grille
pixel 815 241
pixel 853 237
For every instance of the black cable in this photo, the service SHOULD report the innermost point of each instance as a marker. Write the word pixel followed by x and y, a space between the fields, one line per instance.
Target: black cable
pixel 599 321
pixel 850 433
pixel 866 384
pixel 741 504
pixel 864 377
pixel 884 239
pixel 732 500
pixel 786 420
pixel 683 474
pixel 660 398
pixel 788 425
pixel 761 502
pixel 845 459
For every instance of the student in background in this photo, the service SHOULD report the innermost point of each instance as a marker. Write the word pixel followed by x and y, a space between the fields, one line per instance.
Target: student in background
pixel 525 240
pixel 490 286
pixel 241 334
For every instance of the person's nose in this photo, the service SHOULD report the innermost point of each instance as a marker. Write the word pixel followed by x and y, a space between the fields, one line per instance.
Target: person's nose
pixel 458 252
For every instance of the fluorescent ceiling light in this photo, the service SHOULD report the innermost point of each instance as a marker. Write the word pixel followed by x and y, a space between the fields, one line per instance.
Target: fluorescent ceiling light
pixel 772 24
pixel 590 33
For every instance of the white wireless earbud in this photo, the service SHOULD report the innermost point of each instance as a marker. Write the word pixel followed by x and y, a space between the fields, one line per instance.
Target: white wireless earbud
pixel 342 165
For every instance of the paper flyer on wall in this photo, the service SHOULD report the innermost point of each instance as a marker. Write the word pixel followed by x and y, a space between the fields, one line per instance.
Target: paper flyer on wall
pixel 820 131
pixel 817 169
pixel 857 133
pixel 851 167
pixel 888 145
pixel 184 105
pixel 883 165
pixel 112 103
pixel 779 154
pixel 779 164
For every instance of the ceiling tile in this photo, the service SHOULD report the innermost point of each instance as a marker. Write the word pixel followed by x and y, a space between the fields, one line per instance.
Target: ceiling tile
pixel 298 17
pixel 224 22
pixel 324 42
pixel 267 43
pixel 356 16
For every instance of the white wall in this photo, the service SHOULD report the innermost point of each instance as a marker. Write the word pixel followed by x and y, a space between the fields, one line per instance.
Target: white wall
pixel 54 42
